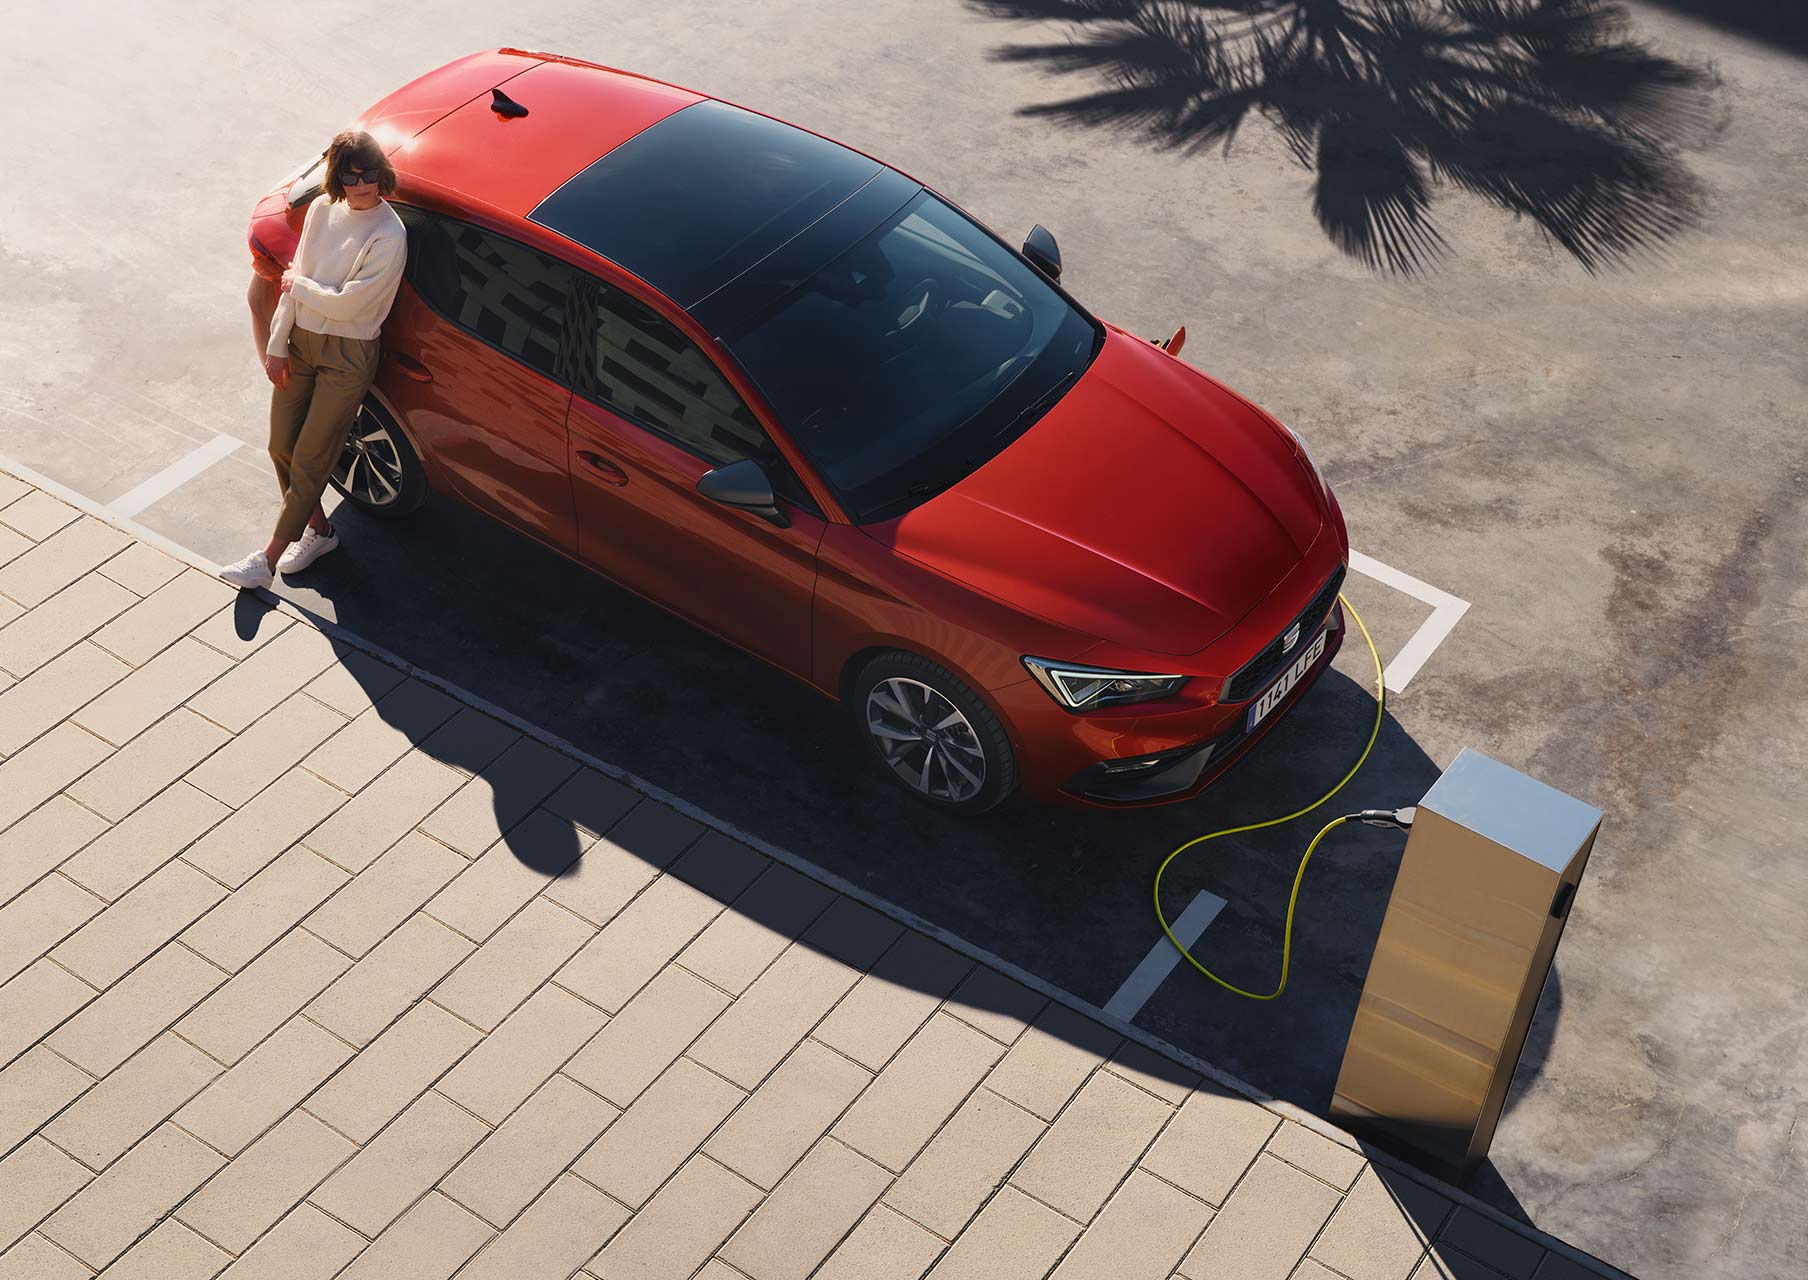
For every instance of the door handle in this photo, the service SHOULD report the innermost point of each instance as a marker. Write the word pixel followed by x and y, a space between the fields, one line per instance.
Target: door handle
pixel 411 367
pixel 606 471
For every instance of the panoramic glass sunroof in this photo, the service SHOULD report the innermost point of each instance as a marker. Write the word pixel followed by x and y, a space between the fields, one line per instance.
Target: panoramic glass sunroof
pixel 693 201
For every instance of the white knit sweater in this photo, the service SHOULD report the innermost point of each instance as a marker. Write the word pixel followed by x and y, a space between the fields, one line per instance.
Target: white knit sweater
pixel 347 268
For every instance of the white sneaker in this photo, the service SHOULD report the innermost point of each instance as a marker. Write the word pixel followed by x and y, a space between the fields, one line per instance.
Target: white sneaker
pixel 250 573
pixel 311 547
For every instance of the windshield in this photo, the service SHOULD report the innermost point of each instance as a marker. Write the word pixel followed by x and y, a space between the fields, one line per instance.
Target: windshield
pixel 914 357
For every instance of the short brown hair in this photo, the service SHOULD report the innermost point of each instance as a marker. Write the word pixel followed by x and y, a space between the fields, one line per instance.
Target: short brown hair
pixel 362 151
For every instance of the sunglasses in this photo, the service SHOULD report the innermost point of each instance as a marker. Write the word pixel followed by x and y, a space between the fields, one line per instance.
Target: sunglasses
pixel 359 177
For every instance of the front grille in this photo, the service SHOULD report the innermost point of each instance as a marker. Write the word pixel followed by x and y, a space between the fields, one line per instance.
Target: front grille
pixel 1266 665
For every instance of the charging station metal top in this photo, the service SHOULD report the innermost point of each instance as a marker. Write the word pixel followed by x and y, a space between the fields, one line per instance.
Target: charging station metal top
pixel 1479 903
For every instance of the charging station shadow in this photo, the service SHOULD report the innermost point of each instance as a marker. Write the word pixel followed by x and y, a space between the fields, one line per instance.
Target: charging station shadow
pixel 1061 893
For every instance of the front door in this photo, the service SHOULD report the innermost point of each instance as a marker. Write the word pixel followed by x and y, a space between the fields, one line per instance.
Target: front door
pixel 473 363
pixel 651 417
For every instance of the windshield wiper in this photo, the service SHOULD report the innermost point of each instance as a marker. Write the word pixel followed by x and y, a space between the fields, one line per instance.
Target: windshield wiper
pixel 916 494
pixel 1046 398
pixel 973 460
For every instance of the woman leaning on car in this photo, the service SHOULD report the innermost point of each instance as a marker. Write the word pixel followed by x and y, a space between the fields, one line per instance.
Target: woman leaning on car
pixel 321 355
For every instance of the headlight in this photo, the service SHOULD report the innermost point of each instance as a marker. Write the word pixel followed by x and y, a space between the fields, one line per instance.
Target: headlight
pixel 1076 687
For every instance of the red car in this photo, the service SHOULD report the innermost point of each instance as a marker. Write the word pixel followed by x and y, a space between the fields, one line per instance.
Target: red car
pixel 794 396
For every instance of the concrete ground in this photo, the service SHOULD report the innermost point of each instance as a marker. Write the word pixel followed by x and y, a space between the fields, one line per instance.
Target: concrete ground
pixel 1607 463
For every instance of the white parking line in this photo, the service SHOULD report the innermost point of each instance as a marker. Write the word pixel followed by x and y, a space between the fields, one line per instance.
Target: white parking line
pixel 1446 611
pixel 1162 957
pixel 173 477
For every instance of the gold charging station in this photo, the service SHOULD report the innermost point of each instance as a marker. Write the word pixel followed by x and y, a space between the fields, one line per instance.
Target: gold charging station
pixel 1490 869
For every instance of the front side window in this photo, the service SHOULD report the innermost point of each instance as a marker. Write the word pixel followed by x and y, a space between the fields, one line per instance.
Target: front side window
pixel 505 293
pixel 645 369
pixel 914 357
pixel 641 366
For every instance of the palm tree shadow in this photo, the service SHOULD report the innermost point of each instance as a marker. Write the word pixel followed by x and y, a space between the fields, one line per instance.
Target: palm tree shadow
pixel 1545 108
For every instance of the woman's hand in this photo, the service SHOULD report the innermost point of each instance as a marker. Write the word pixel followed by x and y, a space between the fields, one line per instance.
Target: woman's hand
pixel 276 368
pixel 288 279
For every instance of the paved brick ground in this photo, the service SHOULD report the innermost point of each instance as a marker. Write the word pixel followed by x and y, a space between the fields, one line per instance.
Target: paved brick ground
pixel 309 969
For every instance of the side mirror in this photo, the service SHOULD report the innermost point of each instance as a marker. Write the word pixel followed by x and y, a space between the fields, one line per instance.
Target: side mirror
pixel 743 485
pixel 1042 251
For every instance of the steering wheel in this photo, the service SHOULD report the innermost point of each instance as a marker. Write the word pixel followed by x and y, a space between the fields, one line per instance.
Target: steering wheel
pixel 926 294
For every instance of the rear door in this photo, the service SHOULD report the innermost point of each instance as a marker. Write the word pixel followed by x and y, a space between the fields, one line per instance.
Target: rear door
pixel 478 368
pixel 651 416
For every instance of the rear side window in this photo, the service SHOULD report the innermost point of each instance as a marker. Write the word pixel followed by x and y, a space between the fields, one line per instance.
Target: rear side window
pixel 644 368
pixel 512 297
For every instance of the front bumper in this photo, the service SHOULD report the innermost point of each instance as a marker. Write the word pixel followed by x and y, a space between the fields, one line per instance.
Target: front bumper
pixel 1067 758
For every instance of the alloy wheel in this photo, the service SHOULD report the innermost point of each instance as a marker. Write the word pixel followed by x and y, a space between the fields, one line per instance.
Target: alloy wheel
pixel 370 468
pixel 926 739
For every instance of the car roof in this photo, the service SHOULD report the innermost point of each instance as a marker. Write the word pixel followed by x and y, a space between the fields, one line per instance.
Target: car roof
pixel 576 113
pixel 707 202
pixel 693 201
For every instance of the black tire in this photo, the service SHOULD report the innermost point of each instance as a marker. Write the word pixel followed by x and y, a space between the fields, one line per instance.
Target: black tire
pixel 901 675
pixel 379 472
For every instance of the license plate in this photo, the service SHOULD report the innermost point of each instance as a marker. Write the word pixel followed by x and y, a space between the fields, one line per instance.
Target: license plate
pixel 1278 691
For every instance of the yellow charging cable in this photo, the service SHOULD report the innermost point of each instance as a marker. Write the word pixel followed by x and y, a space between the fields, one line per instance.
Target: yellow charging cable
pixel 1300 875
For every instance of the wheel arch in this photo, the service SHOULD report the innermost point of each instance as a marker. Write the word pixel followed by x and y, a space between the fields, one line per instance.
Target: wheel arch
pixel 399 420
pixel 857 659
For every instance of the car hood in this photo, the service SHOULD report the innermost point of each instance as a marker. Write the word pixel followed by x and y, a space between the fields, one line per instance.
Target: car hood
pixel 1152 508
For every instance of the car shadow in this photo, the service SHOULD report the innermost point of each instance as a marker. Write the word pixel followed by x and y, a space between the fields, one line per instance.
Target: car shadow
pixel 1062 894
pixel 1547 109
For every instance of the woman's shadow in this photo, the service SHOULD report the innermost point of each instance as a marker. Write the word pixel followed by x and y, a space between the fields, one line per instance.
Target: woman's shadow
pixel 516 792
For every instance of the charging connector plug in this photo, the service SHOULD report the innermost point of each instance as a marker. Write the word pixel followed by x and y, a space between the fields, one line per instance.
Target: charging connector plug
pixel 1395 819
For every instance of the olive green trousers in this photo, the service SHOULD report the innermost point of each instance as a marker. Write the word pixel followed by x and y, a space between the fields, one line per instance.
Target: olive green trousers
pixel 312 416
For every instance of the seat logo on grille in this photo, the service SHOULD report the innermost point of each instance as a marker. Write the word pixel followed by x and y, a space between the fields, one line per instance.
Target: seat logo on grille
pixel 1290 639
